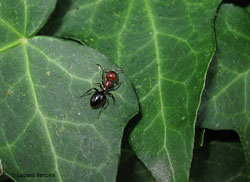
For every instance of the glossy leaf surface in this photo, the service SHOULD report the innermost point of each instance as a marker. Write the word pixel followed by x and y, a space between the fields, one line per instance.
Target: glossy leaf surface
pixel 218 161
pixel 44 127
pixel 165 48
pixel 227 101
pixel 22 19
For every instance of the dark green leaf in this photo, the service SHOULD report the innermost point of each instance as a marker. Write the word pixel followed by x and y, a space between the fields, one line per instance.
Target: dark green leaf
pixel 131 168
pixel 165 47
pixel 19 19
pixel 44 127
pixel 217 162
pixel 227 103
pixel 248 8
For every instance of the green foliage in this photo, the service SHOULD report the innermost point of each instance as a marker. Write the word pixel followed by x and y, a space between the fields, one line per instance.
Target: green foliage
pixel 164 47
pixel 151 41
pixel 227 96
pixel 45 128
pixel 209 163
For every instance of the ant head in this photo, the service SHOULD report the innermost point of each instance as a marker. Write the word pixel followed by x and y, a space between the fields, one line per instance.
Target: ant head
pixel 112 76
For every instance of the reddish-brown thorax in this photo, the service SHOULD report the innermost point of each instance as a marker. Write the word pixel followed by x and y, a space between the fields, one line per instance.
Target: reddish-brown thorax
pixel 107 84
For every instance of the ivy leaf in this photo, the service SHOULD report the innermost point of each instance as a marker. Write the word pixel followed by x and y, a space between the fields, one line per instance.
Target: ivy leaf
pixel 45 130
pixel 22 18
pixel 165 48
pixel 218 161
pixel 227 103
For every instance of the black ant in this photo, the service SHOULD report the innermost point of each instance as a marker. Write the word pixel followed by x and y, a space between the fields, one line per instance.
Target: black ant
pixel 99 99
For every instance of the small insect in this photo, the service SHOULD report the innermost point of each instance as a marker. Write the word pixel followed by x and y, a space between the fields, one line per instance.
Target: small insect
pixel 99 99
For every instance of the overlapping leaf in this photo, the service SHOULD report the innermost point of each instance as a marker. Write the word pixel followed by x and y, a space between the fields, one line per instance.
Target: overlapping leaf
pixel 131 168
pixel 44 128
pixel 218 161
pixel 165 48
pixel 22 18
pixel 227 101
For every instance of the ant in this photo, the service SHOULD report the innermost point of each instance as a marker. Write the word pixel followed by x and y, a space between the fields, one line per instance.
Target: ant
pixel 99 99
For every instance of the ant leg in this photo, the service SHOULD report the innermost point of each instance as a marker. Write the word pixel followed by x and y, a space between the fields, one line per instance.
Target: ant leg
pixel 119 70
pixel 100 85
pixel 103 107
pixel 103 80
pixel 106 105
pixel 87 92
pixel 107 70
pixel 111 95
pixel 117 86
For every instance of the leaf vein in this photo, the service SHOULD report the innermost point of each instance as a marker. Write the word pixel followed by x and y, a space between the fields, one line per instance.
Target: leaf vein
pixel 77 163
pixel 235 32
pixel 124 26
pixel 142 70
pixel 189 15
pixel 149 93
pixel 135 52
pixel 40 113
pixel 174 81
pixel 228 85
pixel 9 46
pixel 58 65
pixel 11 28
pixel 83 125
pixel 93 14
pixel 151 122
pixel 24 130
pixel 154 31
pixel 9 148
pixel 25 17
